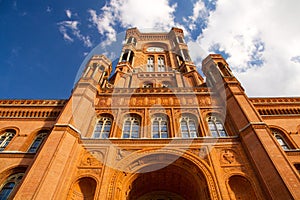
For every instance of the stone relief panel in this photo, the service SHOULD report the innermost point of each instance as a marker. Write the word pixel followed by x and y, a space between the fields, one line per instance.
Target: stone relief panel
pixel 92 159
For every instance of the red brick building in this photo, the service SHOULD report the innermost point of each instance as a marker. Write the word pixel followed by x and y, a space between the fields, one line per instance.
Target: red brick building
pixel 152 129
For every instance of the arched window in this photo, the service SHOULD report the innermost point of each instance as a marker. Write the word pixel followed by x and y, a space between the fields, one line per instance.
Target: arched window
pixel 161 64
pixel 103 127
pixel 160 127
pixel 9 185
pixel 216 127
pixel 37 142
pixel 188 127
pixel 131 127
pixel 5 138
pixel 278 135
pixel 131 40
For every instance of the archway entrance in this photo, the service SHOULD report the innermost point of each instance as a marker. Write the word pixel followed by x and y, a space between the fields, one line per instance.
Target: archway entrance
pixel 180 180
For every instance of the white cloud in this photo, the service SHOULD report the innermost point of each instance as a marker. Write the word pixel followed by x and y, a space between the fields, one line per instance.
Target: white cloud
pixel 64 26
pixel 143 14
pixel 69 13
pixel 262 43
pixel 199 13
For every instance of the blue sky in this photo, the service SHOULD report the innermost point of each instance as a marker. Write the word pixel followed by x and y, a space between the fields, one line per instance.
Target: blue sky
pixel 43 43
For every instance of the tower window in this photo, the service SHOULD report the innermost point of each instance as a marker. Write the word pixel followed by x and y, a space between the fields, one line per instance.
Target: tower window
pixel 150 64
pixel 37 142
pixel 148 85
pixel 161 64
pixel 131 128
pixel 186 55
pixel 159 127
pixel 180 39
pixel 131 40
pixel 103 127
pixel 188 127
pixel 216 127
pixel 9 185
pixel 5 138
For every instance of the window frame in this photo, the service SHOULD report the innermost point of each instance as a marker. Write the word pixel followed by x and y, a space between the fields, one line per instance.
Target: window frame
pixel 150 63
pixel 7 136
pixel 161 63
pixel 216 127
pixel 162 130
pixel 280 139
pixel 189 132
pixel 14 179
pixel 134 129
pixel 103 133
pixel 41 136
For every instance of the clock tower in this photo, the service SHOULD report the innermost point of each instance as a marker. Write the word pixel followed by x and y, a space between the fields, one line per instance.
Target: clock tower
pixel 151 55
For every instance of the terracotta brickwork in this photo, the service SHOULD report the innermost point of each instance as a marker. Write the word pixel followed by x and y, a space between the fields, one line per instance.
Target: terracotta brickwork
pixel 152 129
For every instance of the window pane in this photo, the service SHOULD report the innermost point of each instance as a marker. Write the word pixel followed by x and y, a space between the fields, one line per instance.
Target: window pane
pixel 6 190
pixel 223 133
pixel 185 135
pixel 214 133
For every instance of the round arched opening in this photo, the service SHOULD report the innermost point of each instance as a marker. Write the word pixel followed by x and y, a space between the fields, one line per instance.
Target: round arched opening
pixel 84 189
pixel 180 180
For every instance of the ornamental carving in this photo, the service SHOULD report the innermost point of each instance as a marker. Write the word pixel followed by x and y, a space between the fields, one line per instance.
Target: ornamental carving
pixel 92 159
pixel 229 157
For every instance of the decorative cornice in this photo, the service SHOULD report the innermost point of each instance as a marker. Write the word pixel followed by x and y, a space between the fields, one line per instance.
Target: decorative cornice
pixel 16 154
pixel 275 100
pixel 170 141
pixel 32 102
pixel 115 91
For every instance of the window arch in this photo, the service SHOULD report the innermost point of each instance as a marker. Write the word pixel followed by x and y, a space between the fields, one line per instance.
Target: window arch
pixel 241 188
pixel 37 141
pixel 5 138
pixel 131 127
pixel 188 127
pixel 84 188
pixel 159 128
pixel 279 137
pixel 10 184
pixel 103 127
pixel 216 127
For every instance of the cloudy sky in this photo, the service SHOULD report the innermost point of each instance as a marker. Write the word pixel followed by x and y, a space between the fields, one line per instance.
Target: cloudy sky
pixel 44 43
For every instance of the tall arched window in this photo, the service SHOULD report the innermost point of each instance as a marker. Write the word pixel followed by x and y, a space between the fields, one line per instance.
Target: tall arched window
pixel 150 64
pixel 216 127
pixel 102 129
pixel 37 142
pixel 188 127
pixel 160 127
pixel 131 127
pixel 161 64
pixel 5 138
pixel 278 135
pixel 9 185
